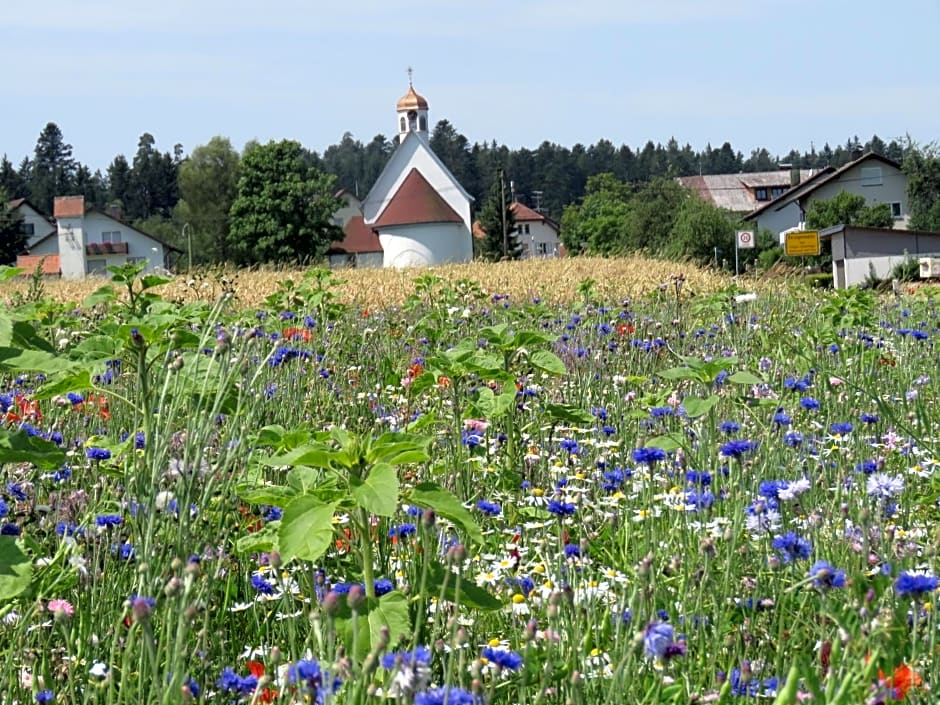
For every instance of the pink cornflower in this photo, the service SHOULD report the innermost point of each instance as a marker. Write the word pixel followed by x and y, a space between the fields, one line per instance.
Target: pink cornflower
pixel 61 608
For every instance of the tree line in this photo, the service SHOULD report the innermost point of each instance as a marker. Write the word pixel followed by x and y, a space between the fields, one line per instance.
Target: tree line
pixel 274 202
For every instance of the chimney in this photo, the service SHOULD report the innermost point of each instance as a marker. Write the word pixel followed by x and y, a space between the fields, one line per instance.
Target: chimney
pixel 794 176
pixel 114 210
pixel 68 207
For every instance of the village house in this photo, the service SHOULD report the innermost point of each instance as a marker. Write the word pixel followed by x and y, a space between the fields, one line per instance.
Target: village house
pixel 877 178
pixel 84 241
pixel 535 232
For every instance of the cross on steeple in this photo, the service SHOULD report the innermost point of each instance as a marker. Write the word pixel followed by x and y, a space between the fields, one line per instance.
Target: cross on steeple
pixel 410 72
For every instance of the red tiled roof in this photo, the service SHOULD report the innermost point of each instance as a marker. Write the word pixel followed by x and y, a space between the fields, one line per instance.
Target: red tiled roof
pixel 359 238
pixel 416 201
pixel 522 213
pixel 50 263
pixel 69 206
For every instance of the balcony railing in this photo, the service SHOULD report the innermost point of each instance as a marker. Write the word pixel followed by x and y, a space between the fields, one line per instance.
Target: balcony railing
pixel 106 248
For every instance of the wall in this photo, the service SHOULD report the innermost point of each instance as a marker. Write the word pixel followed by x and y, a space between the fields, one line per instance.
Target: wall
pixel 41 225
pixel 138 244
pixel 539 232
pixel 351 207
pixel 853 250
pixel 426 244
pixel 71 246
pixel 778 221
pixel 892 189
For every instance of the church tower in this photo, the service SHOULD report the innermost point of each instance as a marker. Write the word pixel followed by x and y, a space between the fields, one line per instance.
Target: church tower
pixel 412 113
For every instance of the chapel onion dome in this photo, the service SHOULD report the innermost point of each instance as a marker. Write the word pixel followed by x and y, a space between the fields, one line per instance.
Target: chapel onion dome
pixel 412 101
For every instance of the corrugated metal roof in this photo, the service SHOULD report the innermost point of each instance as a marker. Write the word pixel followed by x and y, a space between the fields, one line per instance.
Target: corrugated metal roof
pixel 736 192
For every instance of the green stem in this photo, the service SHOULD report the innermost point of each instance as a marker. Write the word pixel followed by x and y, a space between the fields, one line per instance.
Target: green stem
pixel 365 549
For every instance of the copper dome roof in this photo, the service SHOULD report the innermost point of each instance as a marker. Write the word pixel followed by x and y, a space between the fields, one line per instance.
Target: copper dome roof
pixel 412 101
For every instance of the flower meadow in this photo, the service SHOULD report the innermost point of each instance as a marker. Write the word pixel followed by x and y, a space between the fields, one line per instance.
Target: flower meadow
pixel 469 497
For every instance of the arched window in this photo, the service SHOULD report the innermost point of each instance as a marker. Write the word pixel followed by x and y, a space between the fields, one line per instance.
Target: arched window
pixel 423 121
pixel 412 120
pixel 402 125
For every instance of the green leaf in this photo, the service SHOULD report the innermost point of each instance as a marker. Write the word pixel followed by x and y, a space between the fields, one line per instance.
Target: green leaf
pixel 6 330
pixel 431 496
pixel 20 447
pixel 313 456
pixel 16 360
pixel 399 449
pixel 9 272
pixel 378 493
pixel 547 361
pixel 151 280
pixel 16 569
pixel 304 480
pixel 668 442
pixel 64 383
pixel 259 541
pixel 444 582
pixel 102 295
pixel 570 414
pixel 742 377
pixel 678 373
pixel 698 407
pixel 276 495
pixel 306 528
pixel 391 612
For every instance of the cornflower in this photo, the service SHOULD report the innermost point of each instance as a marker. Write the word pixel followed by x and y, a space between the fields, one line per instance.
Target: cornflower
pixel 792 547
pixel 825 576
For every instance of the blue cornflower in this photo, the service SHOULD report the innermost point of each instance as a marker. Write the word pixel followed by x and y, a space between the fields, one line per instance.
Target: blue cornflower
pixel 272 513
pixel 402 530
pixel 382 586
pixel 915 584
pixel 842 428
pixel 869 418
pixel 447 695
pixel 825 576
pixel 771 488
pixel 794 439
pixel 10 530
pixel 698 477
pixel 737 448
pixel 658 642
pixel 729 427
pixel 792 547
pixel 696 500
pixel 648 456
pixel 572 550
pixel 658 412
pixel 570 445
pixel 231 682
pixel 16 492
pixel 44 696
pixel 421 654
pixel 314 682
pixel 109 520
pixel 809 403
pixel 489 508
pixel 262 585
pixel 471 439
pixel 561 508
pixel 781 419
pixel 193 687
pixel 97 453
pixel 504 658
pixel 75 397
pixel 4 508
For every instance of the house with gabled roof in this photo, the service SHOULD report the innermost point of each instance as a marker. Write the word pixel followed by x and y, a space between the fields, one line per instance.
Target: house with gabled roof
pixel 417 208
pixel 85 241
pixel 877 178
pixel 33 223
pixel 744 192
pixel 534 231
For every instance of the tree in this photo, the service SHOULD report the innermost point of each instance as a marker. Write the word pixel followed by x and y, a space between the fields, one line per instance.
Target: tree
pixel 650 215
pixel 208 185
pixel 598 223
pixel 495 215
pixel 699 229
pixel 11 181
pixel 153 183
pixel 12 237
pixel 52 170
pixel 848 209
pixel 119 180
pixel 284 208
pixel 922 167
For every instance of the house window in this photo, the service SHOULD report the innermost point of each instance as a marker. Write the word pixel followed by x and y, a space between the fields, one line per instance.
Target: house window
pixel 896 210
pixel 96 266
pixel 402 125
pixel 761 194
pixel 777 191
pixel 423 121
pixel 543 248
pixel 522 228
pixel 136 260
pixel 27 228
pixel 871 176
pixel 111 236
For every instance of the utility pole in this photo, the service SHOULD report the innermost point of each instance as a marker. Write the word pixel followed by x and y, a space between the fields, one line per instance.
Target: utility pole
pixel 537 195
pixel 502 212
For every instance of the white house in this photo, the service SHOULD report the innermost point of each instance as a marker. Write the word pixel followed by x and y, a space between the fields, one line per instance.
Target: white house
pixel 536 232
pixel 877 178
pixel 33 223
pixel 85 241
pixel 418 209
pixel 858 252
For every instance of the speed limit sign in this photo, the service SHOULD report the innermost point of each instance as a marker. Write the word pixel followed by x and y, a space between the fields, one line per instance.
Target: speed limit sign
pixel 745 239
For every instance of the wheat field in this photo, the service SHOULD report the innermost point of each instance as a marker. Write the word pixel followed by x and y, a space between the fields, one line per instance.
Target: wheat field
pixel 554 280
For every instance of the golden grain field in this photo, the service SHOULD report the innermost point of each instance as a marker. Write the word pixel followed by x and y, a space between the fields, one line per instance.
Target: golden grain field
pixel 553 280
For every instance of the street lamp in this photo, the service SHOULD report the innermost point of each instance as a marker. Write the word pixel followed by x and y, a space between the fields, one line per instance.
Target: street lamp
pixel 189 244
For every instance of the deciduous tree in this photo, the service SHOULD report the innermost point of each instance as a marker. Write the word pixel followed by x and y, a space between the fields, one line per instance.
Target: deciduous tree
pixel 284 207
pixel 208 185
pixel 848 209
pixel 922 167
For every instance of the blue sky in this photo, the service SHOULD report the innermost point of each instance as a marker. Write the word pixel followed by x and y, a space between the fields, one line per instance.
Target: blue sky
pixel 774 74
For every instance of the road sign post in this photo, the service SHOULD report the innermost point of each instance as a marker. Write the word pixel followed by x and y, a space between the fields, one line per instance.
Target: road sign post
pixel 744 239
pixel 802 244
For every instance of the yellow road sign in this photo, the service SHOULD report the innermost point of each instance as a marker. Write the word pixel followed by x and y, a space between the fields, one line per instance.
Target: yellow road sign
pixel 802 244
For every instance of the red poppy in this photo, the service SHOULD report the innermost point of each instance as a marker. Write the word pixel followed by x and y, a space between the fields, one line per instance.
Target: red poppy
pixel 901 681
pixel 297 334
pixel 625 328
pixel 267 695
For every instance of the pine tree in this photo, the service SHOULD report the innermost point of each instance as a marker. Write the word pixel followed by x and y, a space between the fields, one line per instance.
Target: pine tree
pixel 12 236
pixel 52 171
pixel 494 246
